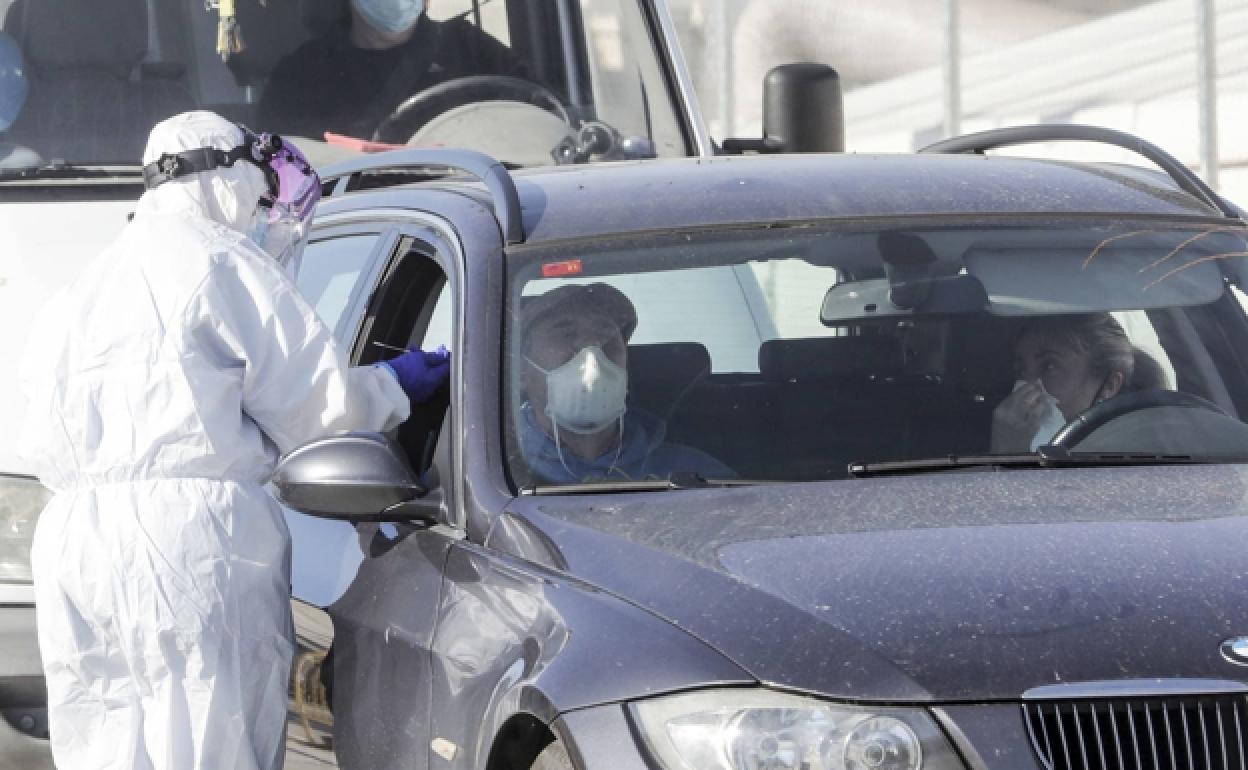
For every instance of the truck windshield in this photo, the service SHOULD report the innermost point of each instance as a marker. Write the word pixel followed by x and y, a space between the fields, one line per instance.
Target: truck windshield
pixel 793 355
pixel 531 82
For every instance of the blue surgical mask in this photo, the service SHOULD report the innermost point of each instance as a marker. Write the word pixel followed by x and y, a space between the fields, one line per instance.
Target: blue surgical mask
pixel 392 16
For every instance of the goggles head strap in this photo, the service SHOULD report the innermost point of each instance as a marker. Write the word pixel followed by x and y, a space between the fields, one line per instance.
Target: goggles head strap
pixel 256 149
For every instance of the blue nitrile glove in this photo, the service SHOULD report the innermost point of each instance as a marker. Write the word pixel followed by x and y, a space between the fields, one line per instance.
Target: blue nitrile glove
pixel 420 373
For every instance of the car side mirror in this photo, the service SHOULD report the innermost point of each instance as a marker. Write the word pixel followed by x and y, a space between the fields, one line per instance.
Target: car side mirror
pixel 355 477
pixel 802 112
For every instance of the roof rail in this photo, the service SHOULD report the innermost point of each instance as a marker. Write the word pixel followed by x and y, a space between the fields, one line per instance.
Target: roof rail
pixel 491 172
pixel 1068 132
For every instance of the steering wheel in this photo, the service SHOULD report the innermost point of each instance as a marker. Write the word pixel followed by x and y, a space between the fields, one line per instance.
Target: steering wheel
pixel 417 110
pixel 1099 414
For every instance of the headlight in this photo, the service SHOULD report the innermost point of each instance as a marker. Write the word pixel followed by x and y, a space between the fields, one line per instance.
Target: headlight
pixel 764 730
pixel 21 501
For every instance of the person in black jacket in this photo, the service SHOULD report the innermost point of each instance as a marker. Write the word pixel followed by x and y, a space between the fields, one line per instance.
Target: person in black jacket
pixel 350 79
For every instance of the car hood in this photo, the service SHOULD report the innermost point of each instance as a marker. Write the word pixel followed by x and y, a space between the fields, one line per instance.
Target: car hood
pixel 958 586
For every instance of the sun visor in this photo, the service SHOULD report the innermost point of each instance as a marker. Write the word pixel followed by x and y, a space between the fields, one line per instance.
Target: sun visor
pixel 1161 273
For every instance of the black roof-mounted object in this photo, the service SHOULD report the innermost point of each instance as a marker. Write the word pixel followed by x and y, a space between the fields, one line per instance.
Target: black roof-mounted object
pixel 1065 132
pixel 802 112
pixel 490 172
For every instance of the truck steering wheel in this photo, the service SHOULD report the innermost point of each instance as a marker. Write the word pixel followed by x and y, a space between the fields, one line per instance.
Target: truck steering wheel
pixel 406 119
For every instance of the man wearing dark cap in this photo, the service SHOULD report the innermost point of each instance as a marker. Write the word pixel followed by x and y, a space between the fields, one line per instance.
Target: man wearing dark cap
pixel 576 425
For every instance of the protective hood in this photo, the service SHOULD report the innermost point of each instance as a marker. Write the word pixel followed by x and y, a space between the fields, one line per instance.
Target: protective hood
pixel 226 195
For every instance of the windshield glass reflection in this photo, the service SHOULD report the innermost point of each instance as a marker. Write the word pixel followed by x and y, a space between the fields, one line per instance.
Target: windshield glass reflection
pixel 529 83
pixel 792 356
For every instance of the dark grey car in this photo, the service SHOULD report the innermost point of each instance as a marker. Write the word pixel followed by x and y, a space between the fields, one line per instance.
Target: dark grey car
pixel 869 583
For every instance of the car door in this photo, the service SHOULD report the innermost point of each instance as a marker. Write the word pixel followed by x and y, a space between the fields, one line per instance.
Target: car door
pixel 340 267
pixel 386 578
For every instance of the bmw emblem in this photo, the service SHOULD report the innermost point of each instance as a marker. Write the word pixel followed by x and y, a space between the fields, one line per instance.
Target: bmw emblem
pixel 1235 650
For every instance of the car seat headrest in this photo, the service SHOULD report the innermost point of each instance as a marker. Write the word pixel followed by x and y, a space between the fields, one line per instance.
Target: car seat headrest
pixel 659 374
pixel 815 359
pixel 110 34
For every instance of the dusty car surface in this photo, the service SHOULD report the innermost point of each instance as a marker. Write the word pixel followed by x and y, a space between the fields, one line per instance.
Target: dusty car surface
pixel 833 566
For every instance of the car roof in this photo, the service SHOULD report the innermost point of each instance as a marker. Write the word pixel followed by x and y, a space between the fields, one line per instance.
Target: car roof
pixel 573 202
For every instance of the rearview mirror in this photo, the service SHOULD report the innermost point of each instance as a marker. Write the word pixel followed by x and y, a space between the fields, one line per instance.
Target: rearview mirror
pixel 354 477
pixel 856 301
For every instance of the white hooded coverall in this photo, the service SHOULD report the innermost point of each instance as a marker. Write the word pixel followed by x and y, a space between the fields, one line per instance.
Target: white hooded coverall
pixel 162 387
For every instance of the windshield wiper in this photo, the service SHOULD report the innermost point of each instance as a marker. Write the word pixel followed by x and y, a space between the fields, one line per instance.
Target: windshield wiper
pixel 1044 457
pixel 682 480
pixel 62 170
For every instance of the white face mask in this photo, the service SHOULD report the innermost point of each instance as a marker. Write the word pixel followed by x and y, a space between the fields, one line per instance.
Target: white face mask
pixel 392 16
pixel 1050 423
pixel 586 394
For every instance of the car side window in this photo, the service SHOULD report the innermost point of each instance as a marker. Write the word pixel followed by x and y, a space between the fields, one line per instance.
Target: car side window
pixel 1144 337
pixel 413 309
pixel 331 275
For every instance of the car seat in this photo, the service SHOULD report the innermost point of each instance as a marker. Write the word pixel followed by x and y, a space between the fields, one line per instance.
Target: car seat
pixel 91 98
pixel 839 400
pixel 1147 374
pixel 660 375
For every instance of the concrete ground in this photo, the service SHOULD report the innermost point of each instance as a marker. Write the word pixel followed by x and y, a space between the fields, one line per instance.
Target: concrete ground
pixel 301 755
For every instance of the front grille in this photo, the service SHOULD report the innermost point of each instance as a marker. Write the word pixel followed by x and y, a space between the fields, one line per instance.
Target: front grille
pixel 1189 733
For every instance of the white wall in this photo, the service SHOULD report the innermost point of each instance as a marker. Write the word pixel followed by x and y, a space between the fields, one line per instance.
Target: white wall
pixel 1126 64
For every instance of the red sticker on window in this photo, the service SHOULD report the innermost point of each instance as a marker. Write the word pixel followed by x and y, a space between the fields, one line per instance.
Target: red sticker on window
pixel 560 269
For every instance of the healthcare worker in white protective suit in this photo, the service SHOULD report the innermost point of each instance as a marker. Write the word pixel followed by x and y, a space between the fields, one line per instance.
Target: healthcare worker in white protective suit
pixel 162 387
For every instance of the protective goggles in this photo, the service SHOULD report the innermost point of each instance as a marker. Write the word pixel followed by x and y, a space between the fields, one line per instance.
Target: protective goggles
pixel 293 185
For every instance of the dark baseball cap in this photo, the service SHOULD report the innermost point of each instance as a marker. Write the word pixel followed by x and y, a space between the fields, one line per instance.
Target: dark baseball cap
pixel 580 299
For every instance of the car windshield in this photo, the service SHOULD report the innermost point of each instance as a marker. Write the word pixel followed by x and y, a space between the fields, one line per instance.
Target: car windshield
pixel 794 353
pixel 529 82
